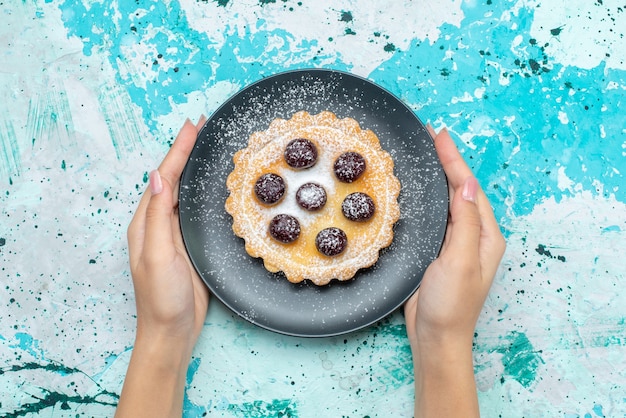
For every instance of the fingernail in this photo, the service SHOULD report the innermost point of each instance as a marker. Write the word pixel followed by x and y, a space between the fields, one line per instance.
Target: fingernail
pixel 201 121
pixel 156 185
pixel 470 188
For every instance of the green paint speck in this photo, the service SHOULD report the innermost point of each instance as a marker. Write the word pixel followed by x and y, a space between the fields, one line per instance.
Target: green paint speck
pixel 63 165
pixel 146 177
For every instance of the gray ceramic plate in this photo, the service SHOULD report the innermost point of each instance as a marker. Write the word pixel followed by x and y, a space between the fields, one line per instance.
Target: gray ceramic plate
pixel 267 299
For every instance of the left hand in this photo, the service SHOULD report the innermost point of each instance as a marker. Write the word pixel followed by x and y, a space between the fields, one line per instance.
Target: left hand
pixel 172 300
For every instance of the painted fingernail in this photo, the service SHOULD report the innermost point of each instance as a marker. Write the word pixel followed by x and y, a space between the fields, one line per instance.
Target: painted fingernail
pixel 185 123
pixel 156 185
pixel 470 188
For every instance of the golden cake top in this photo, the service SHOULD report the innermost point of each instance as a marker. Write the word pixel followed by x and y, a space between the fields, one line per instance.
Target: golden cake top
pixel 314 196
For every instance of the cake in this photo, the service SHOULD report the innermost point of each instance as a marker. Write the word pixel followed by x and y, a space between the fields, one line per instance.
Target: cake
pixel 314 196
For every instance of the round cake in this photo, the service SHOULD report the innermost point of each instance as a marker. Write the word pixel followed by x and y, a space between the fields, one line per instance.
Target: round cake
pixel 314 196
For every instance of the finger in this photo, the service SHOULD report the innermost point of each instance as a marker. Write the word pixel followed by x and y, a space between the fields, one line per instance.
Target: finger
pixel 431 130
pixel 466 224
pixel 179 151
pixel 410 316
pixel 158 230
pixel 488 219
pixel 174 162
pixel 492 241
pixel 457 172
pixel 136 229
pixel 491 254
pixel 492 245
pixel 201 121
pixel 453 163
pixel 177 235
pixel 410 306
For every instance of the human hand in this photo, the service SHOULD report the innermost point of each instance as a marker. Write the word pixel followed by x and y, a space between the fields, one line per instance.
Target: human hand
pixel 441 316
pixel 171 299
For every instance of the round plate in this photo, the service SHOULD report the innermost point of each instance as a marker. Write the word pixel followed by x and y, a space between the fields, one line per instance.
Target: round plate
pixel 268 299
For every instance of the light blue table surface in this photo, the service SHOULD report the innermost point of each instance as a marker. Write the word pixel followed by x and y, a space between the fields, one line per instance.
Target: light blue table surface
pixel 92 94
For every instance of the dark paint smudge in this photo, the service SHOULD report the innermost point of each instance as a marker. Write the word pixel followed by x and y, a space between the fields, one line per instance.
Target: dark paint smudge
pixel 534 65
pixel 50 367
pixel 346 17
pixel 51 398
pixel 556 31
pixel 541 250
pixel 520 359
pixel 390 47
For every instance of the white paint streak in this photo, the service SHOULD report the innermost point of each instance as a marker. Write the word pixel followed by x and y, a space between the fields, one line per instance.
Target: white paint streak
pixel 563 182
pixel 394 21
pixel 584 31
pixel 578 308
pixel 200 103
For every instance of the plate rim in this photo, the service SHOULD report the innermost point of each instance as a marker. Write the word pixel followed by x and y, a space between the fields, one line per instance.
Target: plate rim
pixel 229 305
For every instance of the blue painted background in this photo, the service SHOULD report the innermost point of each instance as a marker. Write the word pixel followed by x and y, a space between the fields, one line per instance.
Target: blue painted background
pixel 92 94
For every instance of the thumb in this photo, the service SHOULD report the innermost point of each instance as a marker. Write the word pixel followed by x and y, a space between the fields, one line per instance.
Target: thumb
pixel 158 216
pixel 465 220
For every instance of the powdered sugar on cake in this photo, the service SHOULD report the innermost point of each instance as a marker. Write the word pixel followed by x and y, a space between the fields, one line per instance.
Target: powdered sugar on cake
pixel 300 259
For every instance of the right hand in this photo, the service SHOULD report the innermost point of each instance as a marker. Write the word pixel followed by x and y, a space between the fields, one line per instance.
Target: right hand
pixel 441 316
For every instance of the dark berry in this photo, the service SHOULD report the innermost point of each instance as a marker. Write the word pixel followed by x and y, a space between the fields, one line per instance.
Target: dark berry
pixel 358 207
pixel 331 241
pixel 301 153
pixel 311 196
pixel 284 228
pixel 349 166
pixel 269 188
